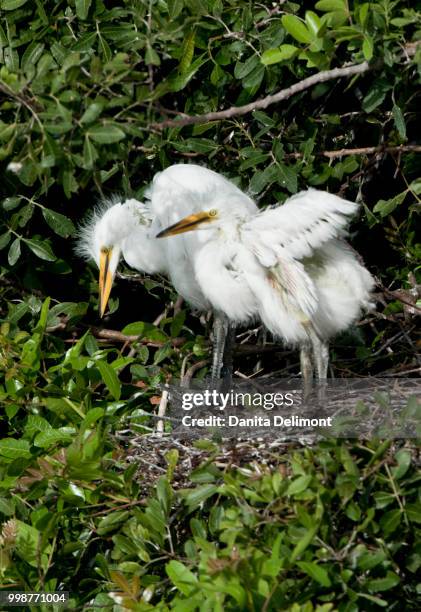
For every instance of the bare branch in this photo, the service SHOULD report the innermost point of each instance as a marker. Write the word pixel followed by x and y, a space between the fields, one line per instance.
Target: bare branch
pixel 116 336
pixel 283 94
pixel 361 151
pixel 161 413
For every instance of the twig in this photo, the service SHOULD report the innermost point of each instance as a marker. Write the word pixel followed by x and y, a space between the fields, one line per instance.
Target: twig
pixel 178 305
pixel 360 151
pixel 161 316
pixel 391 340
pixel 161 413
pixel 116 336
pixel 283 94
pixel 396 295
pixel 192 369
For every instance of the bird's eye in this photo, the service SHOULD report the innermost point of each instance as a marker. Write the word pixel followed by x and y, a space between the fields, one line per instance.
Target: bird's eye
pixel 213 212
pixel 105 250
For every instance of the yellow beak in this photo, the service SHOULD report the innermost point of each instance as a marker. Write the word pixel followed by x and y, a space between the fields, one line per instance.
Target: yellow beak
pixel 187 224
pixel 105 280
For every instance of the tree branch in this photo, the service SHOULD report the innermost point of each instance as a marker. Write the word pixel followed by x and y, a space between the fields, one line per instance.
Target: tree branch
pixel 361 151
pixel 283 94
pixel 116 336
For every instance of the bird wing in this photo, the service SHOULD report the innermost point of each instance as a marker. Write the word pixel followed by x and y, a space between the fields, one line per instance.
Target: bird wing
pixel 294 286
pixel 280 237
pixel 298 227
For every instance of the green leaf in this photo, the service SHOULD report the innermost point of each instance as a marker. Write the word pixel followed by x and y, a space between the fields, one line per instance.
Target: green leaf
pixel 182 578
pixel 374 98
pixel 403 459
pixel 368 48
pixel 273 56
pixel 303 543
pixel 390 521
pixel 415 186
pixel 90 154
pixel 32 54
pixel 331 5
pixel 41 249
pixel 162 353
pixel 287 177
pixel 110 378
pixel 59 223
pixel 45 439
pixel 188 53
pixel 298 485
pixel 70 60
pixel 313 22
pixel 399 120
pixel 383 584
pixel 70 184
pixel 82 8
pixel 243 69
pixel 195 497
pixel 31 547
pixel 12 202
pixel 151 56
pixel 4 240
pixel 316 572
pixel 175 7
pixel 413 512
pixel 106 134
pixel 385 207
pixel 262 178
pixel 297 28
pixel 11 5
pixel 14 449
pixel 371 559
pixel 177 323
pixel 14 252
pixel 92 113
pixel 139 328
pixel 112 521
pixel 178 82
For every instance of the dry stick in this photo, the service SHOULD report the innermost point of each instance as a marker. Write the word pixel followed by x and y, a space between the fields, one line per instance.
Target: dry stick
pixel 161 413
pixel 361 151
pixel 396 295
pixel 116 336
pixel 283 94
pixel 192 369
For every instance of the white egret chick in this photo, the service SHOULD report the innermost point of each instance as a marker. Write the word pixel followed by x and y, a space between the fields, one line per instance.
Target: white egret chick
pixel 115 230
pixel 128 230
pixel 288 264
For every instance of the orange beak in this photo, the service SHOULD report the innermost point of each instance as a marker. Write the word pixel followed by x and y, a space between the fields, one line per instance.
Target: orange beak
pixel 105 280
pixel 187 224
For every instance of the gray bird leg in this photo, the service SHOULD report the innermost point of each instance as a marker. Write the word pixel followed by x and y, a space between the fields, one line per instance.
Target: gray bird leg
pixel 226 371
pixel 321 361
pixel 321 358
pixel 306 366
pixel 220 331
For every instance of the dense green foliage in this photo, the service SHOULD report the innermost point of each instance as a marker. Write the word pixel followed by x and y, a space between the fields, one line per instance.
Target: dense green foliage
pixel 84 87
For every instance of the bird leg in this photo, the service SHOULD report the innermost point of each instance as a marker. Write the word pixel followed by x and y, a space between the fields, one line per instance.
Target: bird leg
pixel 226 370
pixel 306 366
pixel 321 361
pixel 220 332
pixel 321 358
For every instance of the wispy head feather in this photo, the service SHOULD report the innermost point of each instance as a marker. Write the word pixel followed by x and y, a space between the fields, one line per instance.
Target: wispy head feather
pixel 84 246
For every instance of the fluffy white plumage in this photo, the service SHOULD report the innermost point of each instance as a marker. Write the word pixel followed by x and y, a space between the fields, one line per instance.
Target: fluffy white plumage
pixel 285 263
pixel 180 190
pixel 127 229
